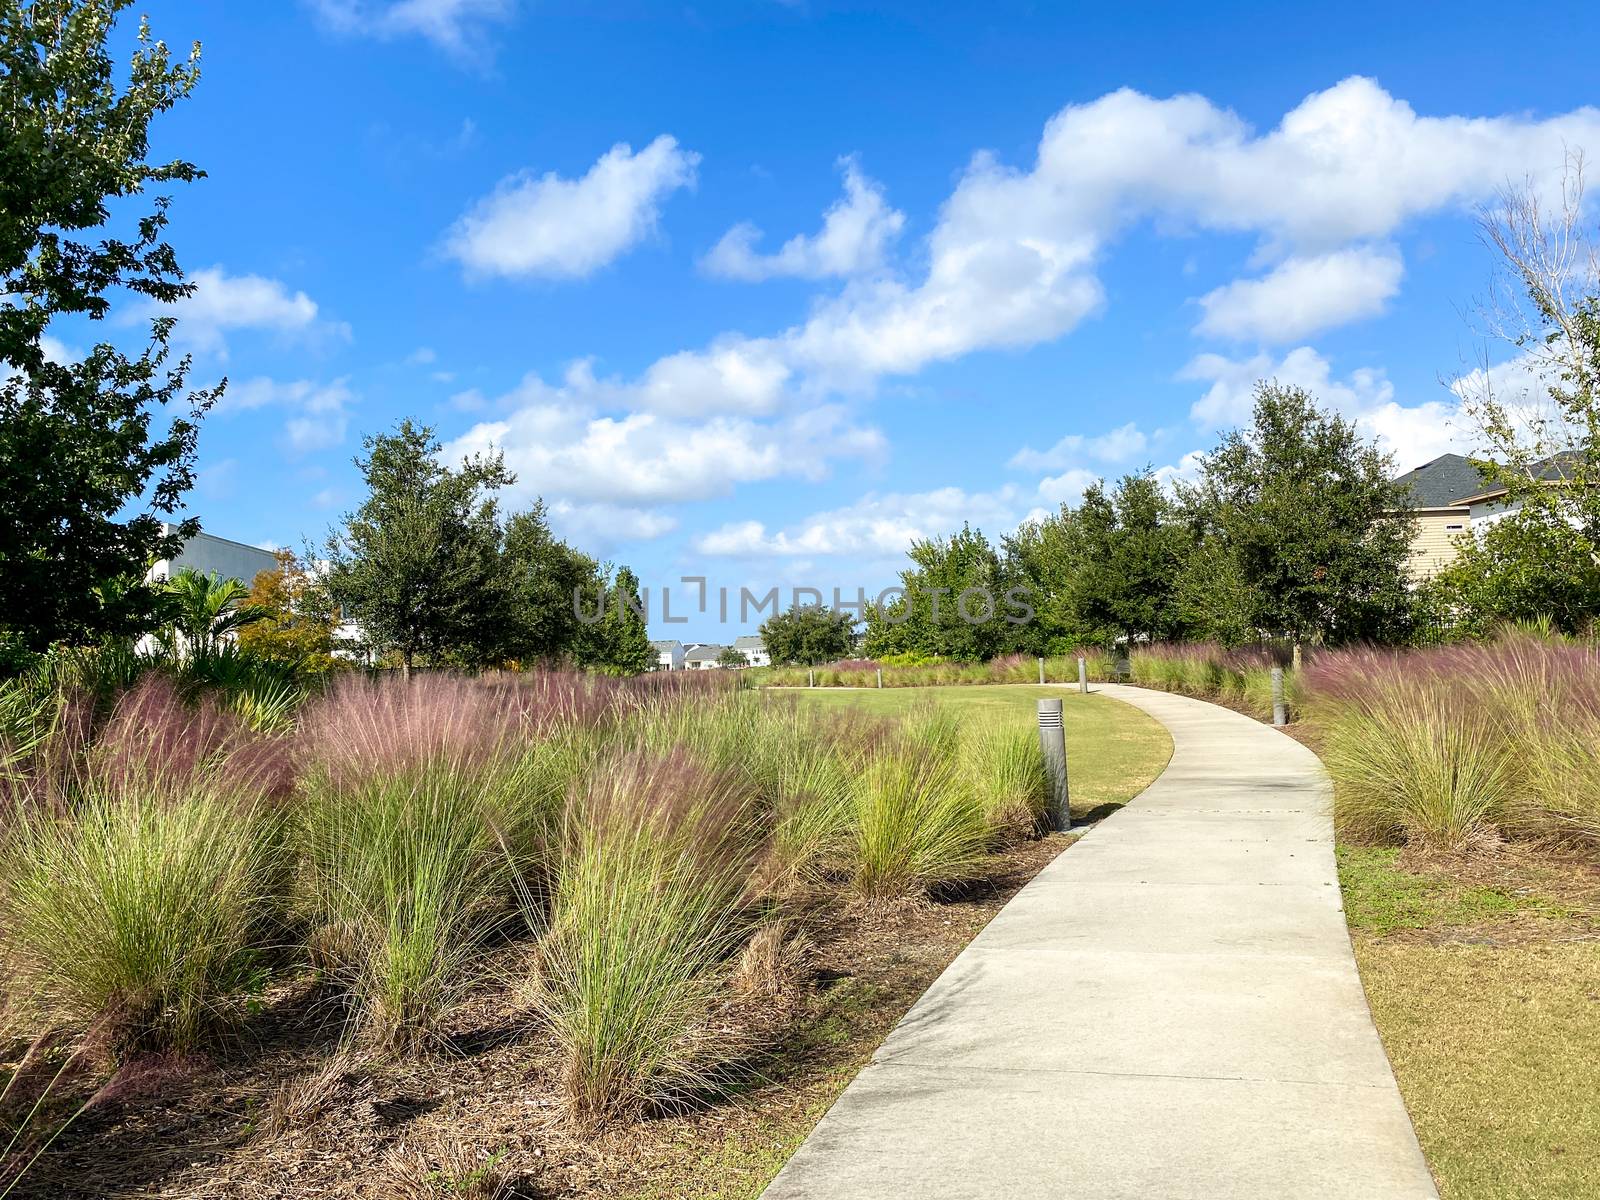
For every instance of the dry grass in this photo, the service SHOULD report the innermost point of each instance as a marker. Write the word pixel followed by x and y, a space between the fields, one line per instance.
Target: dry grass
pixel 1481 970
pixel 1495 1049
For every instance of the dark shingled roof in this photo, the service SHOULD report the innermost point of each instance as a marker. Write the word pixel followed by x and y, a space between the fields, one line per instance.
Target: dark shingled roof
pixel 1442 482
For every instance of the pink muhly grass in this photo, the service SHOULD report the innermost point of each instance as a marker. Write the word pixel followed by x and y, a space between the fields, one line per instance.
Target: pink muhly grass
pixel 650 898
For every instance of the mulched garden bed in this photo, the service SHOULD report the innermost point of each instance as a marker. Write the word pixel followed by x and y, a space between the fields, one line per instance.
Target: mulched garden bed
pixel 284 1112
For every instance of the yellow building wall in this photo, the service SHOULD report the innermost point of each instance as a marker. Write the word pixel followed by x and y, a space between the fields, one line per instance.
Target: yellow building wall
pixel 1432 548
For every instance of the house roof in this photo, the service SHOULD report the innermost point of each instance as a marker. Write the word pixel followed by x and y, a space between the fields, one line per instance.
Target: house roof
pixel 664 646
pixel 1442 482
pixel 1555 469
pixel 704 653
pixel 748 642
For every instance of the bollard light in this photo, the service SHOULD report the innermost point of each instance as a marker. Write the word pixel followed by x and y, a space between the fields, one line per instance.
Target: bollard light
pixel 1083 675
pixel 1280 711
pixel 1053 743
pixel 1041 672
pixel 880 677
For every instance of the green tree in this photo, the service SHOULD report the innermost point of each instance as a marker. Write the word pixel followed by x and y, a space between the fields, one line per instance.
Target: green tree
pixel 418 566
pixel 732 659
pixel 1046 557
pixel 1212 600
pixel 619 643
pixel 808 634
pixel 204 612
pixel 1308 515
pixel 1530 566
pixel 77 449
pixel 1541 559
pixel 542 576
pixel 1132 550
pixel 955 602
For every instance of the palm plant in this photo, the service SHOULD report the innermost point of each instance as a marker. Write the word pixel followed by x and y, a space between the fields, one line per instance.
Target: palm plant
pixel 206 611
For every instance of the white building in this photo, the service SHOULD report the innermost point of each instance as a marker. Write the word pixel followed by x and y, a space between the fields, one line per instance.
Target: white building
pixel 704 656
pixel 669 655
pixel 753 649
pixel 209 554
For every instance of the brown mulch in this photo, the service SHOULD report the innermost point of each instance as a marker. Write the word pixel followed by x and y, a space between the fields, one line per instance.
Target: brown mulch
pixel 287 1112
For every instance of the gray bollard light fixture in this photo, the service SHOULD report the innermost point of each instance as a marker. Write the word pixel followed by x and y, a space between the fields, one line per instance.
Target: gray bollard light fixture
pixel 1041 672
pixel 811 679
pixel 880 677
pixel 1083 675
pixel 1053 743
pixel 1280 711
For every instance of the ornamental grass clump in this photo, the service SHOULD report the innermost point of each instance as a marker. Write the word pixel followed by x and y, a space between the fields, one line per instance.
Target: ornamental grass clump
pixel 1008 774
pixel 1418 750
pixel 805 770
pixel 919 822
pixel 650 900
pixel 422 818
pixel 142 896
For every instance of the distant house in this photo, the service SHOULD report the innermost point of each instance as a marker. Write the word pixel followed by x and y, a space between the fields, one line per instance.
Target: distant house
pixel 1438 489
pixel 669 655
pixel 1489 503
pixel 703 657
pixel 209 554
pixel 753 649
pixel 1452 497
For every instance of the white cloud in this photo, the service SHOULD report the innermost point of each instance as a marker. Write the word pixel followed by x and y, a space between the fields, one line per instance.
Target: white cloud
pixel 1116 446
pixel 222 303
pixel 1067 487
pixel 569 228
pixel 318 412
pixel 1414 433
pixel 1011 261
pixel 458 27
pixel 874 526
pixel 560 446
pixel 1229 399
pixel 598 527
pixel 1304 295
pixel 856 233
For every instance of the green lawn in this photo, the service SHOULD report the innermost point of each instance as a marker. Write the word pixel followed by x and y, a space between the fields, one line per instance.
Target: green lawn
pixel 1114 751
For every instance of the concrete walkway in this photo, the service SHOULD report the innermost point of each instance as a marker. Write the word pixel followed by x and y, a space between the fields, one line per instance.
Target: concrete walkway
pixel 1170 1009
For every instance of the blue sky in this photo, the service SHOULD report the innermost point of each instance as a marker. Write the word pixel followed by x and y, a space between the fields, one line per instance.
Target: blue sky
pixel 760 291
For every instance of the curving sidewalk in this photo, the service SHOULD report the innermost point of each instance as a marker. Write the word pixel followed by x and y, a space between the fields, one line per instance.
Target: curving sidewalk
pixel 1170 1009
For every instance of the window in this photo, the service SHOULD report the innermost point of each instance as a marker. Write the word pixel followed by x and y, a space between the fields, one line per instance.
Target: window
pixel 1457 528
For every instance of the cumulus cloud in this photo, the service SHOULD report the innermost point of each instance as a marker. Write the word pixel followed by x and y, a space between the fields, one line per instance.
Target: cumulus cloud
pixel 1415 433
pixel 458 27
pixel 1116 446
pixel 317 413
pixel 222 303
pixel 562 447
pixel 1304 295
pixel 874 526
pixel 599 527
pixel 548 226
pixel 856 233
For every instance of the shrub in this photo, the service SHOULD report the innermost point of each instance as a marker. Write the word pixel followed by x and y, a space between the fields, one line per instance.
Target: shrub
pixel 1484 736
pixel 1008 775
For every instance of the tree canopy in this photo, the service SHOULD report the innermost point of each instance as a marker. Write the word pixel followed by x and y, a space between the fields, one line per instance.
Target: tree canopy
pixel 807 634
pixel 85 437
pixel 1303 508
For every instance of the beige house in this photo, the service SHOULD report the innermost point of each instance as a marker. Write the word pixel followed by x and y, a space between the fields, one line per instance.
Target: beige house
pixel 1442 492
